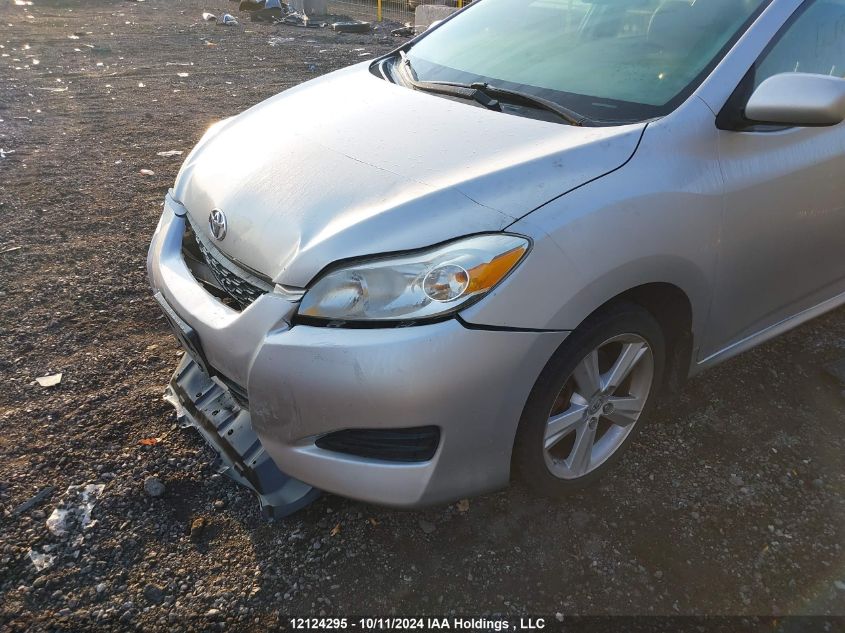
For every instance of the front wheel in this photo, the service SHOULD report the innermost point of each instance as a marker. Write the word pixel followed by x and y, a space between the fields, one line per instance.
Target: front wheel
pixel 590 400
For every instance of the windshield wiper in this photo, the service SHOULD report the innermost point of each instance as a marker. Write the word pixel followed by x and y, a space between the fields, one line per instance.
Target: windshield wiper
pixel 463 91
pixel 487 94
pixel 570 116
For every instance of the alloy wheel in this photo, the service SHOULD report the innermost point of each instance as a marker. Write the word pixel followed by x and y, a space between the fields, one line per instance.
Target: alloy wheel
pixel 598 406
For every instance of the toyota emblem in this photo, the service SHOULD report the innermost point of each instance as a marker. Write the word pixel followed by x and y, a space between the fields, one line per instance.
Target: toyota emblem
pixel 217 224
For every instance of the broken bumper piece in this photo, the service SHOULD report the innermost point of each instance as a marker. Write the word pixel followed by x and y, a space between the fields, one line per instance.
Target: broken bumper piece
pixel 222 418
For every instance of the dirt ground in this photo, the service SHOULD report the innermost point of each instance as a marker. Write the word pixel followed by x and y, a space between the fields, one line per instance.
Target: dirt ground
pixel 731 503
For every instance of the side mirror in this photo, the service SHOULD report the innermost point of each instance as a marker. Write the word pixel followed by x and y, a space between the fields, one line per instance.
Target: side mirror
pixel 798 99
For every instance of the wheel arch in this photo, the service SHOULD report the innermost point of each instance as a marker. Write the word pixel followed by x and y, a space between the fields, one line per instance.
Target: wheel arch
pixel 673 310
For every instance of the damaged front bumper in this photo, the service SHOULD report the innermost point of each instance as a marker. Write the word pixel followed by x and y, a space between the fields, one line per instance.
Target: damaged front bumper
pixel 206 388
pixel 317 395
pixel 210 406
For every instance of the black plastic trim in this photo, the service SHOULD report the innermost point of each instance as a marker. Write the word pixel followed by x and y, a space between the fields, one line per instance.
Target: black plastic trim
pixel 504 328
pixel 299 319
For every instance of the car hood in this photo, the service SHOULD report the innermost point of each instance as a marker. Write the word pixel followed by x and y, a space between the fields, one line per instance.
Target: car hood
pixel 351 165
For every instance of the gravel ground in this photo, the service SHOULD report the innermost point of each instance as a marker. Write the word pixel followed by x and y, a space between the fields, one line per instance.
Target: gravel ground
pixel 731 503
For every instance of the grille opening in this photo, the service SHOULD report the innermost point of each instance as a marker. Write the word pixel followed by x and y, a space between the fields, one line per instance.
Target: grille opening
pixel 195 261
pixel 418 444
pixel 221 278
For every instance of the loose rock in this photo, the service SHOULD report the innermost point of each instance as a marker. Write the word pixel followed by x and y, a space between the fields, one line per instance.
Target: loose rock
pixel 154 593
pixel 153 486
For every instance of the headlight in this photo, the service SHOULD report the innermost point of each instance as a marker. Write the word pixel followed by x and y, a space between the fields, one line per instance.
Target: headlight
pixel 423 285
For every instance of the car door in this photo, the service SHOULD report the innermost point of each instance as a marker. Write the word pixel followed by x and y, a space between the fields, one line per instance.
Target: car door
pixel 784 226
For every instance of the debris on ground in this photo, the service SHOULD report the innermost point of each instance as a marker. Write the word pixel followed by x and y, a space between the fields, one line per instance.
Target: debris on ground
pixel 427 526
pixel 73 512
pixel 208 17
pixel 153 486
pixel 41 561
pixel 278 41
pixel 37 499
pixel 228 20
pixel 300 19
pixel 49 381
pixel 198 526
pixel 147 172
pixel 463 505
pixel 354 26
pixel 404 31
pixel 172 152
pixel 149 441
pixel 271 15
pixel 5 152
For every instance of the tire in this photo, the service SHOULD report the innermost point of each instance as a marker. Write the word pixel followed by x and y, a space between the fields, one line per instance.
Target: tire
pixel 553 425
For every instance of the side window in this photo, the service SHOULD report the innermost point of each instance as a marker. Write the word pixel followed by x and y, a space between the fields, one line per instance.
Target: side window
pixel 813 43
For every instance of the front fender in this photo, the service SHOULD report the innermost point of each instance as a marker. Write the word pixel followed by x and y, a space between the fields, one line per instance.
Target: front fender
pixel 657 219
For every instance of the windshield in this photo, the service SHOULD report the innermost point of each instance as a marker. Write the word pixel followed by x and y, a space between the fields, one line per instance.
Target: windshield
pixel 610 60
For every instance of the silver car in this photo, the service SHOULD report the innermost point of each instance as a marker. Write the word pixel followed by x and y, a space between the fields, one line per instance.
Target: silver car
pixel 489 251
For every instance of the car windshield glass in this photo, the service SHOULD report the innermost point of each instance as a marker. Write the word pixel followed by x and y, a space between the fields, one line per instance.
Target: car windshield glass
pixel 610 60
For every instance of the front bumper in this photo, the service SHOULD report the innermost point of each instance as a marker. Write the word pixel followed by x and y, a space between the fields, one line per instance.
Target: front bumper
pixel 304 382
pixel 209 406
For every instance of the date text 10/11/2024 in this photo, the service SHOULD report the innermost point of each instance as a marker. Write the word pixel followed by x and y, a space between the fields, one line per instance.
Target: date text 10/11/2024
pixel 417 624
